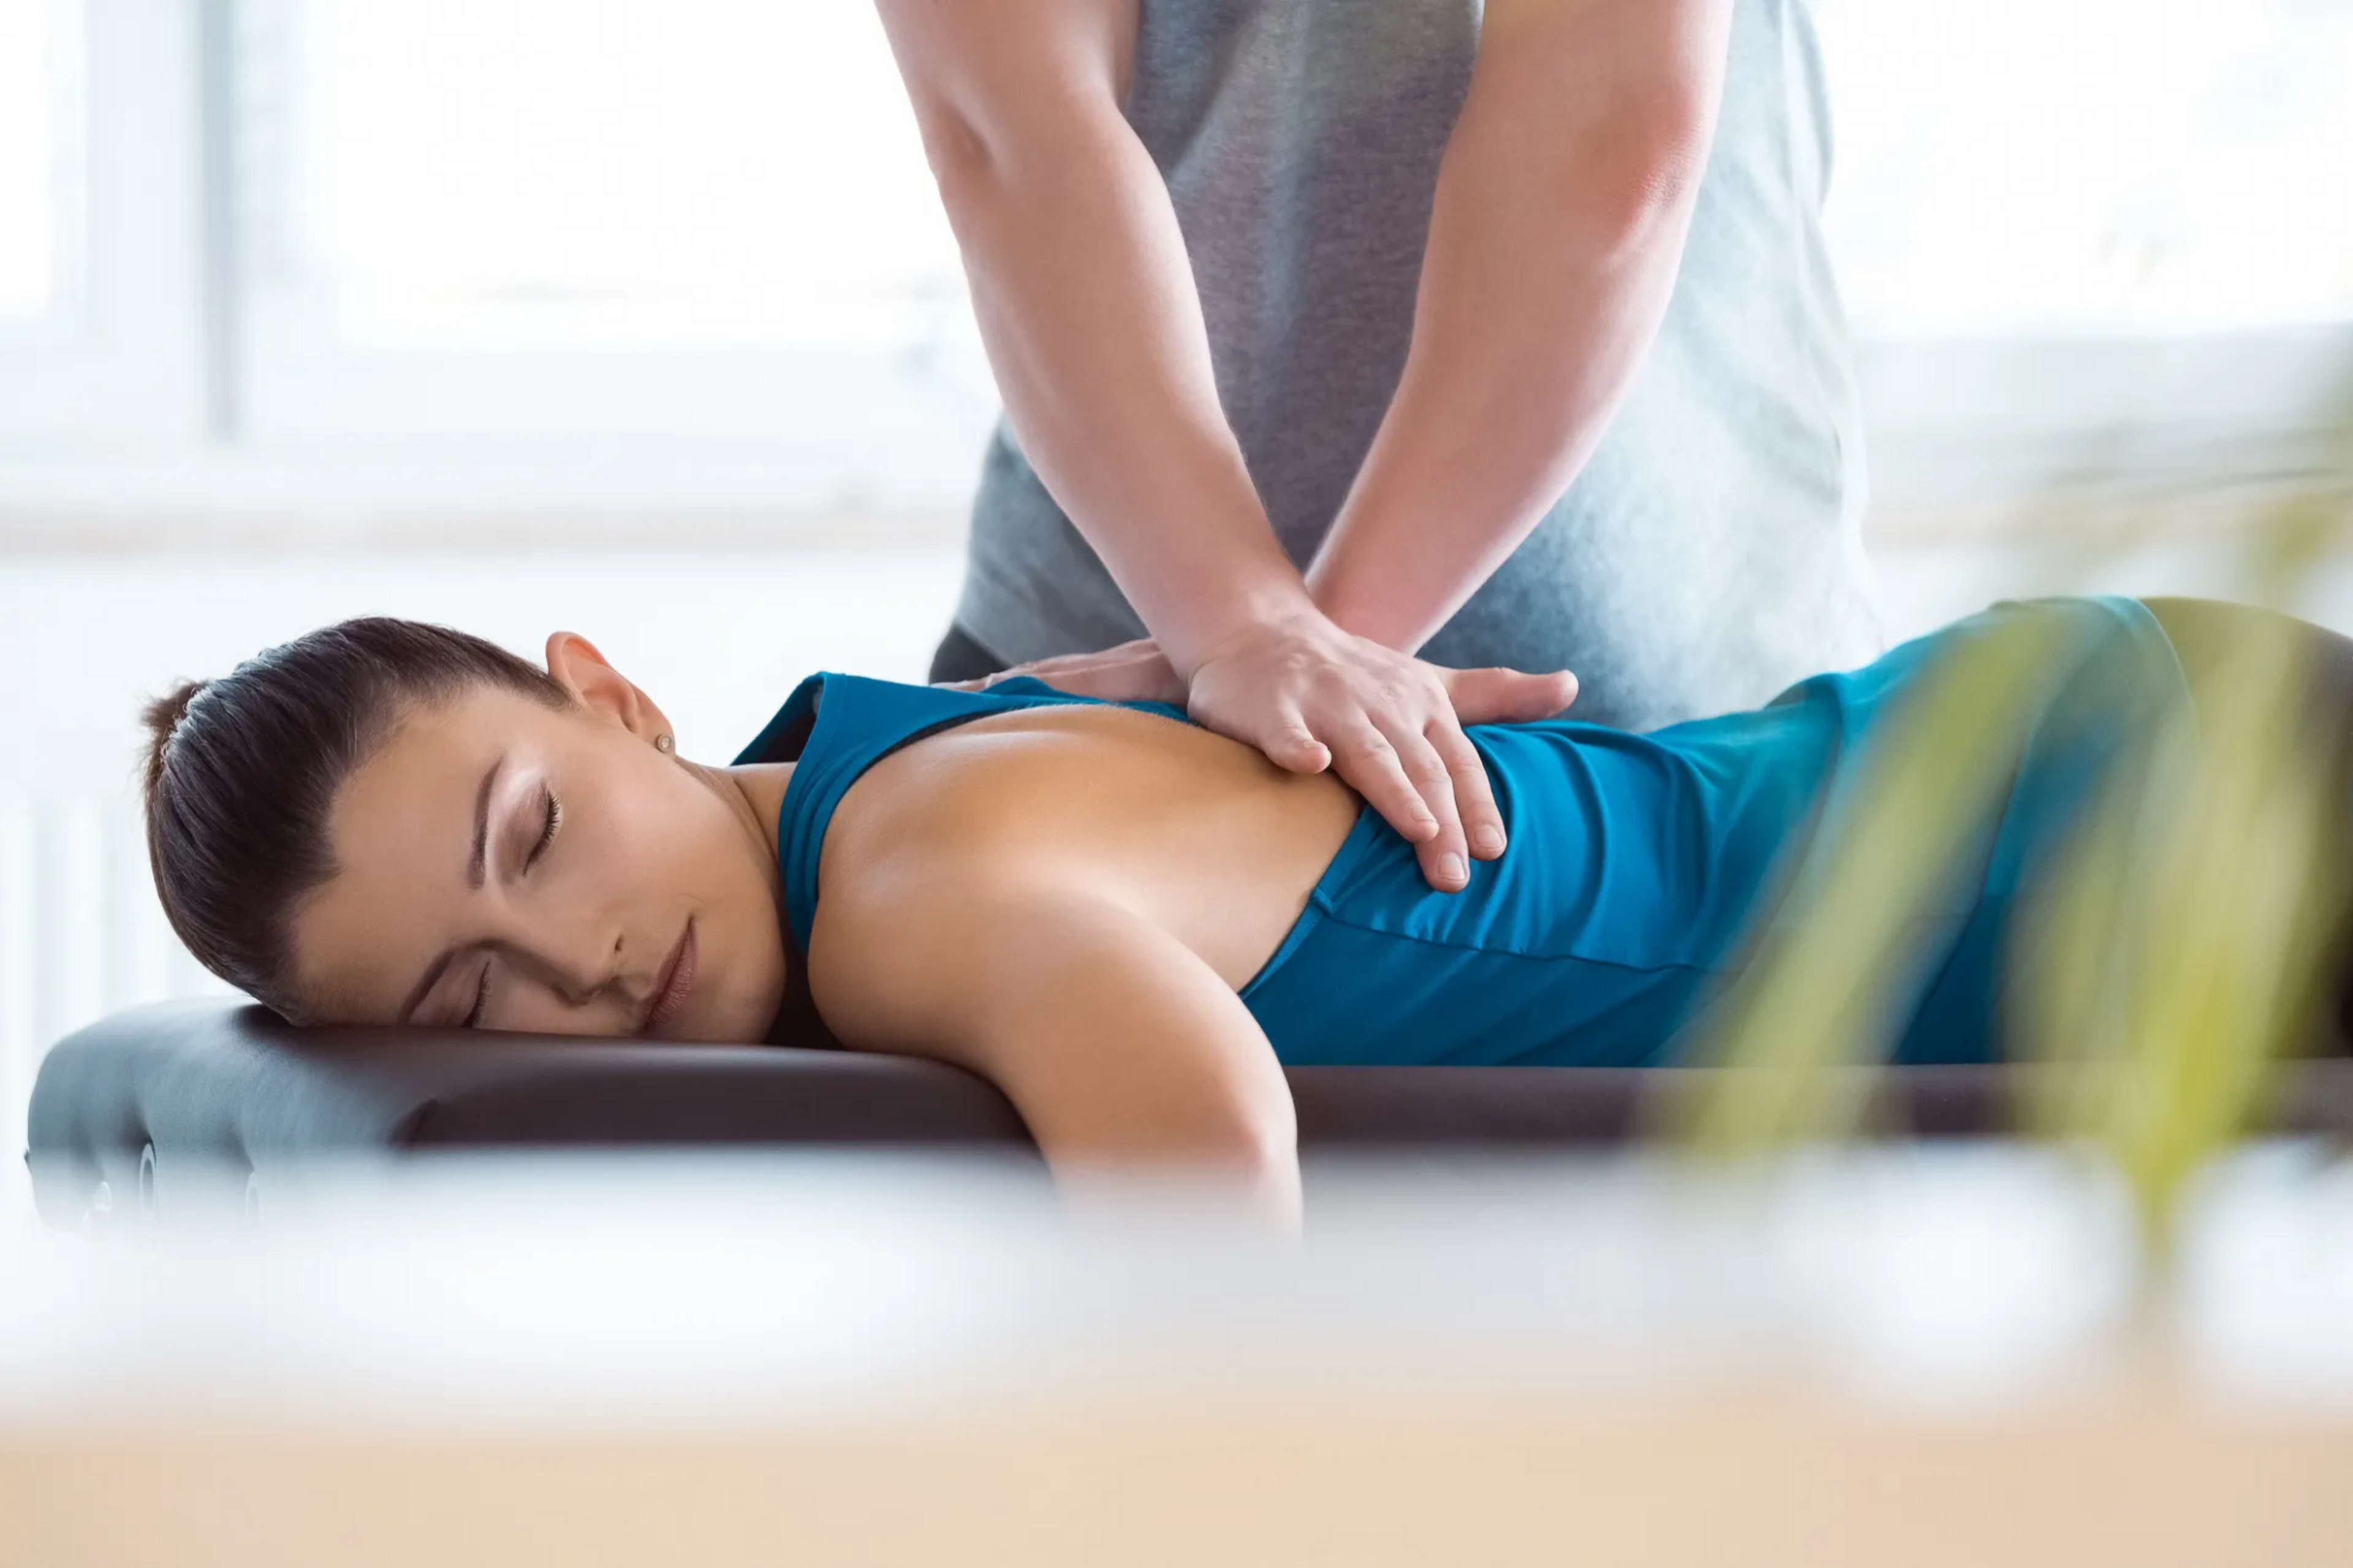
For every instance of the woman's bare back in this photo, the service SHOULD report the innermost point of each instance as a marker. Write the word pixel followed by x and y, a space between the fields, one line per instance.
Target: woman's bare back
pixel 1199 835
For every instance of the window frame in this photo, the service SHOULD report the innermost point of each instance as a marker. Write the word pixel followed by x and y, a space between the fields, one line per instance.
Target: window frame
pixel 120 358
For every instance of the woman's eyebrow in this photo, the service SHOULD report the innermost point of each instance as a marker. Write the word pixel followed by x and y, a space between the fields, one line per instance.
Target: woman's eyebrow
pixel 476 866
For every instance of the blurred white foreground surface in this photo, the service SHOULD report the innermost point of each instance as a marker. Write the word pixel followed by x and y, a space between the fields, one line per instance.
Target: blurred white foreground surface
pixel 1931 1352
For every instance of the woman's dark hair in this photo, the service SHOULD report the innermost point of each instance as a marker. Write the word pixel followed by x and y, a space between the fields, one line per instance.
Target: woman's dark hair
pixel 242 774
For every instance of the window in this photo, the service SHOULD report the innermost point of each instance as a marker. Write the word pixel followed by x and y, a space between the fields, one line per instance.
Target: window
pixel 36 82
pixel 2088 243
pixel 100 280
pixel 2085 167
pixel 702 230
pixel 343 259
pixel 548 173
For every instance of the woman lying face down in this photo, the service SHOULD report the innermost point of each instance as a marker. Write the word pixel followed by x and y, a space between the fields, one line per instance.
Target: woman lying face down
pixel 1128 923
pixel 384 823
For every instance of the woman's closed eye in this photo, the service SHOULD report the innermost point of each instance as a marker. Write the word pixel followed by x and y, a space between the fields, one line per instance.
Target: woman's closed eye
pixel 482 1000
pixel 552 820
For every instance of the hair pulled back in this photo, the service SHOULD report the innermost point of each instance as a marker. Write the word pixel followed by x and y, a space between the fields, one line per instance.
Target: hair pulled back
pixel 242 774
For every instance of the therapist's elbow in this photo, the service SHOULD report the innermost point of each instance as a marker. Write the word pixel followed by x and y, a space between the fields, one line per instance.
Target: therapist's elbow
pixel 992 165
pixel 963 154
pixel 1637 175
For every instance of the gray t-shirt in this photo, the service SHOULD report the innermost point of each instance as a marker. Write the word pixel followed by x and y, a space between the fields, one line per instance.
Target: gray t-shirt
pixel 1709 552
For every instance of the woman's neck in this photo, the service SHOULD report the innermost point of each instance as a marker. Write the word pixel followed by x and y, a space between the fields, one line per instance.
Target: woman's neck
pixel 756 790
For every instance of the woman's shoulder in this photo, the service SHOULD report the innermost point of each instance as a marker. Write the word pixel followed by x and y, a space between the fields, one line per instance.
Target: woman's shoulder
pixel 922 890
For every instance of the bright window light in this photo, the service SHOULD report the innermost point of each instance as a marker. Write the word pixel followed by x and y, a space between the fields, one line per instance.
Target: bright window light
pixel 2097 166
pixel 740 173
pixel 31 62
pixel 617 173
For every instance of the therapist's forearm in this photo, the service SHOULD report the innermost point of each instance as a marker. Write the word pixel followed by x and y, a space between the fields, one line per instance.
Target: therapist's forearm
pixel 1556 232
pixel 1086 303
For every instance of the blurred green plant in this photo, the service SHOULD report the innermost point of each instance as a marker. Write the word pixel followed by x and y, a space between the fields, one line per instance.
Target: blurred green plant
pixel 2166 958
pixel 1827 984
pixel 2175 952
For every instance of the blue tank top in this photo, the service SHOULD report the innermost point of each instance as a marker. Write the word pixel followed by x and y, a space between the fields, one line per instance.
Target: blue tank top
pixel 1638 869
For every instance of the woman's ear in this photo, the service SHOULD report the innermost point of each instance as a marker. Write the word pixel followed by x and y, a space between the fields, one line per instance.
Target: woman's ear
pixel 577 666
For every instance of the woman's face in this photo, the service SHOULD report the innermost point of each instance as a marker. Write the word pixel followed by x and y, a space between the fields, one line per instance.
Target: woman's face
pixel 510 866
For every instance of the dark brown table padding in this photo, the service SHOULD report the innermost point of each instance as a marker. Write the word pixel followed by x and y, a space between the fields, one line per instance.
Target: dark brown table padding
pixel 223 1089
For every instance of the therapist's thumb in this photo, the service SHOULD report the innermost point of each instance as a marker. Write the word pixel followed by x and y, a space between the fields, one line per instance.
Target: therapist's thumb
pixel 1498 696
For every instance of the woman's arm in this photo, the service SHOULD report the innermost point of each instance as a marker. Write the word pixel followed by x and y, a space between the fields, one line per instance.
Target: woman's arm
pixel 1119 1045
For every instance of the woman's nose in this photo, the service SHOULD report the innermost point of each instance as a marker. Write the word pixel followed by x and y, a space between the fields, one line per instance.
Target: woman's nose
pixel 593 976
pixel 581 968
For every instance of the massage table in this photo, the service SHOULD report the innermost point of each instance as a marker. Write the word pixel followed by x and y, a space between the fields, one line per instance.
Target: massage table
pixel 144 1107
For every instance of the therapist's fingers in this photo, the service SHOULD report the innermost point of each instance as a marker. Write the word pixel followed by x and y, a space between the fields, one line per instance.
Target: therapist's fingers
pixel 1445 854
pixel 1369 762
pixel 1474 797
pixel 1140 653
pixel 1303 692
pixel 1292 745
pixel 1130 672
pixel 1126 680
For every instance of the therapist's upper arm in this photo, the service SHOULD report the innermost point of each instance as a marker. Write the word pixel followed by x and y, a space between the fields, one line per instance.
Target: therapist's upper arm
pixel 1634 82
pixel 984 75
pixel 1119 1045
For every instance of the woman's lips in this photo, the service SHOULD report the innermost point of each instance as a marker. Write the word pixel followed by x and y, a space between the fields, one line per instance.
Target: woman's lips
pixel 677 979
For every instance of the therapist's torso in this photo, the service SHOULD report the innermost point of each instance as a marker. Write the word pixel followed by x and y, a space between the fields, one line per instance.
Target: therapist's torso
pixel 1708 553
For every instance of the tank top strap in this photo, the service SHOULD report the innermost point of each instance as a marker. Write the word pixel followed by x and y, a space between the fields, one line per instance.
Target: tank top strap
pixel 834 727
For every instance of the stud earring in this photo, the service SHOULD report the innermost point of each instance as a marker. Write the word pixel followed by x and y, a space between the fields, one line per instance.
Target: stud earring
pixel 663 745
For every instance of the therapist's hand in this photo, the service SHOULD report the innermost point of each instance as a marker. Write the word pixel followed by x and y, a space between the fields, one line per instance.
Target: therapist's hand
pixel 1311 696
pixel 1130 672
